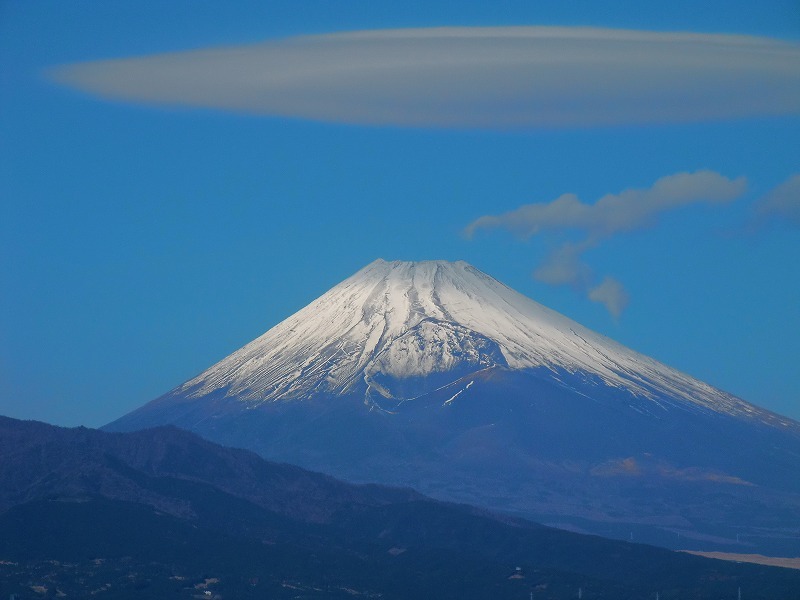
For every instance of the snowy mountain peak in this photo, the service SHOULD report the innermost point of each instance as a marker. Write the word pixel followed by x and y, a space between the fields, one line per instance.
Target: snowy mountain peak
pixel 435 376
pixel 395 330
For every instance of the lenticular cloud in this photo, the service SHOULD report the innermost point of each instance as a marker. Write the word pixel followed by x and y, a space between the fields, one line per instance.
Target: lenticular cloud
pixel 499 77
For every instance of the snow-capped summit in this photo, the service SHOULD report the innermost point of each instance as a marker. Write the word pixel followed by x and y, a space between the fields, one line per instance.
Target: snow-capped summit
pixel 395 330
pixel 436 376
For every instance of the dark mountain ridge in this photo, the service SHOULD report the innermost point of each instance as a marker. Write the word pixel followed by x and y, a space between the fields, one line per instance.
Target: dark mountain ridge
pixel 45 461
pixel 154 505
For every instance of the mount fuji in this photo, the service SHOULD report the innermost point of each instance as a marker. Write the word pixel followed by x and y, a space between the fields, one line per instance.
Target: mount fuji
pixel 436 376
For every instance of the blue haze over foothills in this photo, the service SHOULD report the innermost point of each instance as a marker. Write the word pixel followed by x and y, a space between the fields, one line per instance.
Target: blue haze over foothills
pixel 142 242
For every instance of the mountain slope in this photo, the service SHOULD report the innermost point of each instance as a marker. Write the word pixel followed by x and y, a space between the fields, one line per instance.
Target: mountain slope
pixel 437 376
pixel 403 321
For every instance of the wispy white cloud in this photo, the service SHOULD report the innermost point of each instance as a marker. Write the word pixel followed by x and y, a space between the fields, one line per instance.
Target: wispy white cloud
pixel 611 294
pixel 782 203
pixel 498 77
pixel 564 266
pixel 614 213
pixel 611 215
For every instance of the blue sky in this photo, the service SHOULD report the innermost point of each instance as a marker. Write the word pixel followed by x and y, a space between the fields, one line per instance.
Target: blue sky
pixel 140 243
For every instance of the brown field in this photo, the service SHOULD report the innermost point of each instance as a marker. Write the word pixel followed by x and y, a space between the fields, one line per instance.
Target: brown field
pixel 759 559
